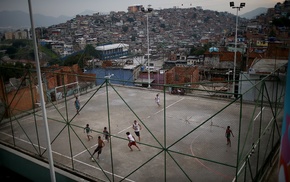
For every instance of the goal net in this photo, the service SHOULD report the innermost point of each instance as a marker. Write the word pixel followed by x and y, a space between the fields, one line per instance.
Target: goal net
pixel 66 90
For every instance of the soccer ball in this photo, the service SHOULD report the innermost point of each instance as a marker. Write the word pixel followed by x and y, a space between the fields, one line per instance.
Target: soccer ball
pixel 93 160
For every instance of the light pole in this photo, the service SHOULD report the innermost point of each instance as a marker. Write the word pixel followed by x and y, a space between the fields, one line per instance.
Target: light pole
pixel 232 4
pixel 149 10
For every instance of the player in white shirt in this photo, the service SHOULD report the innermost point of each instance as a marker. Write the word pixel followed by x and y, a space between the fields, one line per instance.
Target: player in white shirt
pixel 132 141
pixel 137 127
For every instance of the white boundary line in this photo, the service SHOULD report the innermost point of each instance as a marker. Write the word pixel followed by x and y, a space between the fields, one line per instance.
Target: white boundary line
pixel 124 129
pixel 216 172
pixel 169 105
pixel 85 150
pixel 259 113
pixel 70 157
pixel 153 114
pixel 244 163
pixel 103 170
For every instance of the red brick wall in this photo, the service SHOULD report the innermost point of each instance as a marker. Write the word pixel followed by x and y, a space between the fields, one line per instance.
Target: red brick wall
pixel 22 100
pixel 62 75
pixel 51 82
pixel 55 76
pixel 181 75
pixel 87 78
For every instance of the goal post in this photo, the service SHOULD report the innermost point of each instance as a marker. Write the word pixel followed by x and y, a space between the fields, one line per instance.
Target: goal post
pixel 66 90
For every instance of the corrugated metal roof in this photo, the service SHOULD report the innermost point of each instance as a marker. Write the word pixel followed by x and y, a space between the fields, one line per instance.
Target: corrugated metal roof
pixel 111 46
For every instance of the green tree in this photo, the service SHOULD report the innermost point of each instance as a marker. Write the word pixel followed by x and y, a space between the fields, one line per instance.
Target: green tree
pixel 281 22
pixel 81 57
pixel 10 70
pixel 192 51
pixel 199 50
pixel 55 61
pixel 19 71
pixel 90 51
pixel 50 56
pixel 20 43
pixel 73 59
pixel 48 46
pixel 25 53
pixel 11 51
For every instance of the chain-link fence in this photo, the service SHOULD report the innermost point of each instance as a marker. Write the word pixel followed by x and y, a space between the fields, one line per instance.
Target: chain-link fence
pixel 183 136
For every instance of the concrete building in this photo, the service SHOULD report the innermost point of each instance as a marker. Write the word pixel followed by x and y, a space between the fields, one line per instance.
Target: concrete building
pixel 134 8
pixel 9 35
pixel 261 68
pixel 20 35
pixel 113 51
pixel 221 60
pixel 125 75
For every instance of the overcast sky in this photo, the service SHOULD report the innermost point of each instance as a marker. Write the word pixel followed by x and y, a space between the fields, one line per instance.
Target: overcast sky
pixel 73 7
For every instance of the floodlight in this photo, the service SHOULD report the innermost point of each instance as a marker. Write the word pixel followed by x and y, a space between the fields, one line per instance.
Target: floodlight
pixel 236 37
pixel 147 11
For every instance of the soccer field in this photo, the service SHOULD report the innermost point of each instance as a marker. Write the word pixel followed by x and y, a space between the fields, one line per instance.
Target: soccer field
pixel 183 139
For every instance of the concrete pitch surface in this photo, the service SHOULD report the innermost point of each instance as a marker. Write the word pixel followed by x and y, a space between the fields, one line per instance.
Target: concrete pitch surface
pixel 181 140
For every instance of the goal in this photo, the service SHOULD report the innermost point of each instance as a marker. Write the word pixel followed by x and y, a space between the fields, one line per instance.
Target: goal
pixel 66 90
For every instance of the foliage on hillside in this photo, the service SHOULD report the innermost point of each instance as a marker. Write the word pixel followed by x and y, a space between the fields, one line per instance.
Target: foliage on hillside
pixel 81 57
pixel 199 50
pixel 23 50
pixel 282 22
pixel 18 49
pixel 11 70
